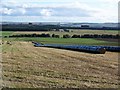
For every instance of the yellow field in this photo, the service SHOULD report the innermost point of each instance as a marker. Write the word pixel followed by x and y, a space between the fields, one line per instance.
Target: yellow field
pixel 27 66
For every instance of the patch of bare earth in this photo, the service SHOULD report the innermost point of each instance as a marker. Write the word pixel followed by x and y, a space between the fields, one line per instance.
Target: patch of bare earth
pixel 27 66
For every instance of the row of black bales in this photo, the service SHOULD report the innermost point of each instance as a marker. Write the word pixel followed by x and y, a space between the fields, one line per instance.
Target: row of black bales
pixel 84 48
pixel 89 49
pixel 110 48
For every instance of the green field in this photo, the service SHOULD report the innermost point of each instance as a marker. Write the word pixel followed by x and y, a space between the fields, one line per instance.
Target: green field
pixel 6 33
pixel 78 41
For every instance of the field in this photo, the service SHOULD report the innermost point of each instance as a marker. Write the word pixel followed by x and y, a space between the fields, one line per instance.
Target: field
pixel 77 41
pixel 80 41
pixel 80 32
pixel 6 33
pixel 26 66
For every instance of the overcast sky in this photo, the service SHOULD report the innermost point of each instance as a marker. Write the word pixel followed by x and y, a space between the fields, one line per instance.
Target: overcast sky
pixel 59 10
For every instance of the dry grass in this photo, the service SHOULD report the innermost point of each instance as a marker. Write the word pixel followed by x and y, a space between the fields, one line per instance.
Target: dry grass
pixel 27 66
pixel 30 32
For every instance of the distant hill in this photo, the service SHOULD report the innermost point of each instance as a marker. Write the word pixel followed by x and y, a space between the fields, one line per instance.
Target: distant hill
pixel 46 26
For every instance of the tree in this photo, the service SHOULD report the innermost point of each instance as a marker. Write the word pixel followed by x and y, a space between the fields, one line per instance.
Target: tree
pixel 66 36
pixel 55 36
pixel 76 36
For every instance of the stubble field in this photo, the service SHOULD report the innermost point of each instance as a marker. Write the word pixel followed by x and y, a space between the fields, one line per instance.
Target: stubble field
pixel 27 66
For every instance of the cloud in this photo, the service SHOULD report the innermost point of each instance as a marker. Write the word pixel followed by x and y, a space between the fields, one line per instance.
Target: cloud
pixel 109 1
pixel 106 15
pixel 67 9
pixel 99 10
pixel 6 11
pixel 46 12
pixel 12 12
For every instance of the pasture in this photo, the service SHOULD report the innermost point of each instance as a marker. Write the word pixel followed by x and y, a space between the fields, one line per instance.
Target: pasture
pixel 6 33
pixel 75 41
pixel 79 41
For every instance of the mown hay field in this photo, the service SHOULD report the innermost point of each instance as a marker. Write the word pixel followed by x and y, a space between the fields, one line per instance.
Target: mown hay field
pixel 26 66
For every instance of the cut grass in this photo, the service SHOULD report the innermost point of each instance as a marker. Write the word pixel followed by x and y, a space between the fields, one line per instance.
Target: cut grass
pixel 48 67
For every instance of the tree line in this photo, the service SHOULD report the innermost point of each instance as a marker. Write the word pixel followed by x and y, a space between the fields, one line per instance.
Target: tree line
pixel 117 36
pixel 30 27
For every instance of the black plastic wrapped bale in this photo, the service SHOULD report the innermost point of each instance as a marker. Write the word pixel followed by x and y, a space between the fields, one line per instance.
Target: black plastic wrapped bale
pixel 91 49
pixel 84 48
pixel 98 50
pixel 110 48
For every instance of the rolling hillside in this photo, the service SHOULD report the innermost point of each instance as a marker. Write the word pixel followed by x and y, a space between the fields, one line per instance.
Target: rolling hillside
pixel 27 66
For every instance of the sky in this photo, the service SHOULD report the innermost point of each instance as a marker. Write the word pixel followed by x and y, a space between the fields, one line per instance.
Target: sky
pixel 92 11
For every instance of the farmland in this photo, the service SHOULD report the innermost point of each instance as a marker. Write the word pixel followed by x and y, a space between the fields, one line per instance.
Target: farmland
pixel 81 41
pixel 81 32
pixel 26 66
pixel 65 41
pixel 6 33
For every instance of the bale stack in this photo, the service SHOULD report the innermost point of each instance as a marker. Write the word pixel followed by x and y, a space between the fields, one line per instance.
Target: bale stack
pixel 90 49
